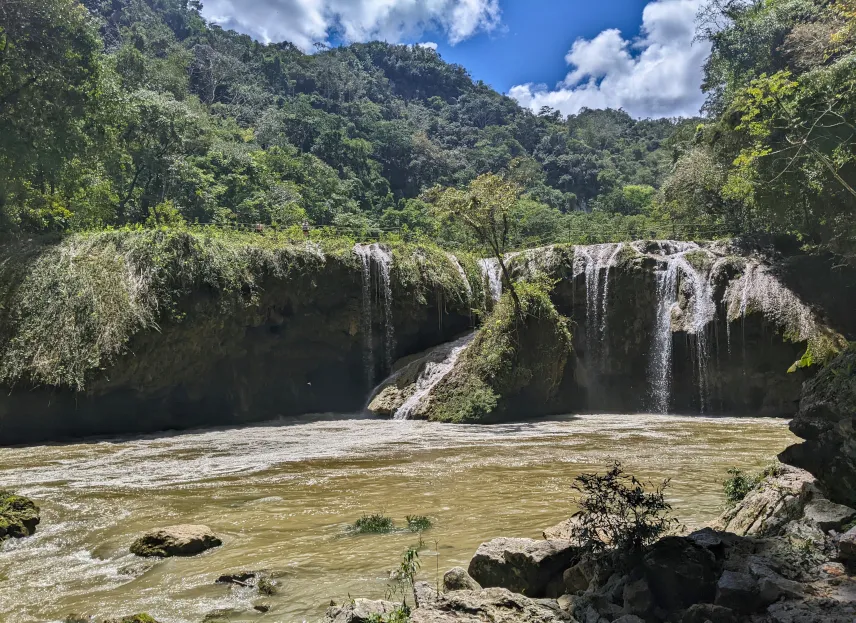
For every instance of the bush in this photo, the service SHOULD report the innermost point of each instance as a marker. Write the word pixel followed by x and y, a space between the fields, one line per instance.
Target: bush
pixel 737 486
pixel 619 513
pixel 373 524
pixel 418 523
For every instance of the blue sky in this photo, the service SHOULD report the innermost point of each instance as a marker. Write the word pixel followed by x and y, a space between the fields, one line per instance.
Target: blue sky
pixel 630 54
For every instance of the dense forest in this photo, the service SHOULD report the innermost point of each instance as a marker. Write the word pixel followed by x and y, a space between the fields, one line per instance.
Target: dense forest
pixel 138 112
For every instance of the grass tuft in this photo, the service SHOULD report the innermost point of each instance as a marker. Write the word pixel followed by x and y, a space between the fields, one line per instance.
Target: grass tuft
pixel 418 523
pixel 377 523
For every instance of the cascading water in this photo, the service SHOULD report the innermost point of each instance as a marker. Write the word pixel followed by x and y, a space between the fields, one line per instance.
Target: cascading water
pixel 676 274
pixel 595 262
pixel 463 275
pixel 492 273
pixel 432 373
pixel 376 255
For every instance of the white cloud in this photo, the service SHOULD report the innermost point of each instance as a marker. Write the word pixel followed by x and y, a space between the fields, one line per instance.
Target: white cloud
pixel 428 44
pixel 304 22
pixel 659 74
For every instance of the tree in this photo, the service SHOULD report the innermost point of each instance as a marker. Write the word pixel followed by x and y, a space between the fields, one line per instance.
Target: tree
pixel 485 207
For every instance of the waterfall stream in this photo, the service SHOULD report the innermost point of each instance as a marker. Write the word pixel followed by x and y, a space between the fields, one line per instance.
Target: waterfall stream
pixel 492 273
pixel 375 254
pixel 431 374
pixel 463 275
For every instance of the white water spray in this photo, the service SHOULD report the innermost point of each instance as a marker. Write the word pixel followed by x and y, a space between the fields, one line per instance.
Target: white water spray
pixel 492 273
pixel 431 374
pixel 376 255
pixel 595 262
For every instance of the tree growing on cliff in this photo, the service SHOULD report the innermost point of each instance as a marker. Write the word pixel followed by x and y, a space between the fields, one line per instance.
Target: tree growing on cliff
pixel 485 208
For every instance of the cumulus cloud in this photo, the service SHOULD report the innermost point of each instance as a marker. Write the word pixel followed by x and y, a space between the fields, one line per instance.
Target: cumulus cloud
pixel 658 74
pixel 304 22
pixel 428 44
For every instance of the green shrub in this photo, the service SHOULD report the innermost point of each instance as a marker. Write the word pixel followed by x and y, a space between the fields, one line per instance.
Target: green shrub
pixel 377 523
pixel 737 486
pixel 418 523
pixel 619 513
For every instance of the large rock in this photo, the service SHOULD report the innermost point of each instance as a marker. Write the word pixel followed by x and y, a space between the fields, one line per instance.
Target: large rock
pixel 847 545
pixel 826 421
pixel 812 611
pixel 708 613
pixel 185 540
pixel 828 515
pixel 496 605
pixel 458 579
pixel 738 591
pixel 680 573
pixel 524 566
pixel 359 611
pixel 19 516
pixel 774 502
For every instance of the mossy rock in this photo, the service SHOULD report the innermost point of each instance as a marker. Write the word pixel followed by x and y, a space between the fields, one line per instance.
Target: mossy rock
pixel 516 362
pixel 133 618
pixel 19 516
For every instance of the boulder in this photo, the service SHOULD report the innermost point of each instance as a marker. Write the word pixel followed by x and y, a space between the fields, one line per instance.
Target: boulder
pixel 812 611
pixel 680 573
pixel 359 611
pixel 775 501
pixel 424 594
pixel 521 565
pixel 847 545
pixel 387 401
pixel 562 531
pixel 828 515
pixel 578 577
pixel 825 421
pixel 19 516
pixel 458 579
pixel 496 605
pixel 185 540
pixel 773 588
pixel 737 591
pixel 708 613
pixel 637 597
pixel 629 618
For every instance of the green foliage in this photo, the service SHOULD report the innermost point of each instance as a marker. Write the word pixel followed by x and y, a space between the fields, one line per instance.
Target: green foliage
pixel 513 355
pixel 377 523
pixel 418 523
pixel 619 513
pixel 737 485
pixel 161 109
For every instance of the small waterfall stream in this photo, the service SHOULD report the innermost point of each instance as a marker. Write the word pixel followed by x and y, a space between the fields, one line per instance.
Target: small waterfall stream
pixel 492 273
pixel 375 255
pixel 433 373
pixel 463 275
pixel 595 262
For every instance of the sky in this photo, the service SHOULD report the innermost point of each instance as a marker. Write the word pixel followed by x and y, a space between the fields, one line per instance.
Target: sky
pixel 566 54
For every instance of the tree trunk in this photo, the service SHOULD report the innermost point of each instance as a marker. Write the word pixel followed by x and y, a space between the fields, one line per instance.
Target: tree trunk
pixel 507 277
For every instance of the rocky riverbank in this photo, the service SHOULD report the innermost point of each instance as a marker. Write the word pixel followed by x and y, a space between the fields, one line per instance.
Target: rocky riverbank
pixel 782 555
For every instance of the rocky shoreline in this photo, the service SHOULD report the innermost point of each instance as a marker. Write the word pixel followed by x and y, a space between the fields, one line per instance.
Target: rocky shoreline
pixel 782 555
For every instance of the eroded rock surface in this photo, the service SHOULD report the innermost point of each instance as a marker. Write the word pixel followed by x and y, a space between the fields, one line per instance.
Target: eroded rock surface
pixel 497 605
pixel 359 611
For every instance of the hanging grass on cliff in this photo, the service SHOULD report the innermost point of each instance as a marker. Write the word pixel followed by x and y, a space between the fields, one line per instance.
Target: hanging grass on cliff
pixel 70 307
pixel 513 360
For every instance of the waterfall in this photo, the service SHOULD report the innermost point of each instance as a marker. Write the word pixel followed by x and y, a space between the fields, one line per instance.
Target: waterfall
pixel 679 274
pixel 595 262
pixel 376 255
pixel 492 273
pixel 463 275
pixel 432 373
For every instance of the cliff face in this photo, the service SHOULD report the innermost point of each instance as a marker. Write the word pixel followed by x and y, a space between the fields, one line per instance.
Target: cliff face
pixel 141 331
pixel 299 329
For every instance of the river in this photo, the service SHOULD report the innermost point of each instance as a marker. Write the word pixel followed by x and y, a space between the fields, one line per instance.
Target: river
pixel 282 496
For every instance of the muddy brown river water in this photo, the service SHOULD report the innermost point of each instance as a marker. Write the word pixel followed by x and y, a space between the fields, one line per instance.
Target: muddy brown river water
pixel 282 496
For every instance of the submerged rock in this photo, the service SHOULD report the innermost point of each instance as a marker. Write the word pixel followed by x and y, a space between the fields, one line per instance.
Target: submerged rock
pixel 19 516
pixel 497 605
pixel 184 540
pixel 524 566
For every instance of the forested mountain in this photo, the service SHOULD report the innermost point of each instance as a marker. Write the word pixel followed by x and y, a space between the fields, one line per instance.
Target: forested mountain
pixel 135 111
